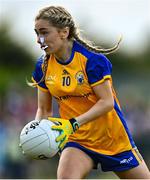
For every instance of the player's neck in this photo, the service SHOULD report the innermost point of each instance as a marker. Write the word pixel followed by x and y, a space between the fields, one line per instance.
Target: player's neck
pixel 65 52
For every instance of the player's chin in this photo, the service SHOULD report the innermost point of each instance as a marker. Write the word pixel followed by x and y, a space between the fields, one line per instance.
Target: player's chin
pixel 47 50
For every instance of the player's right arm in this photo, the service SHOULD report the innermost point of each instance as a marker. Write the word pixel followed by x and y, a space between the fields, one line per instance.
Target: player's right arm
pixel 44 109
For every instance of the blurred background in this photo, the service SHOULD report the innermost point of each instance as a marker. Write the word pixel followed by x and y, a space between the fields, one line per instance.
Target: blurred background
pixel 101 21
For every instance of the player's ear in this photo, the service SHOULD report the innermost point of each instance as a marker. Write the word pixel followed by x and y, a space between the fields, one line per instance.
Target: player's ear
pixel 64 33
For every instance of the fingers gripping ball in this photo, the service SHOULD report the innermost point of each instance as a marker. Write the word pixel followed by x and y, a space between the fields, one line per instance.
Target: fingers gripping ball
pixel 37 140
pixel 65 127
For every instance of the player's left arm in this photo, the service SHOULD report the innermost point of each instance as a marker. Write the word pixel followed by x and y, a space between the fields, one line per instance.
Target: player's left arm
pixel 44 108
pixel 104 104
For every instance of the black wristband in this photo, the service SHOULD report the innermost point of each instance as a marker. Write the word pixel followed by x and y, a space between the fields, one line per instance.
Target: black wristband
pixel 74 123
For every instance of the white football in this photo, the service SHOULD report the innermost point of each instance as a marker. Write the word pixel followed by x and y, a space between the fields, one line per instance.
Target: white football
pixel 37 140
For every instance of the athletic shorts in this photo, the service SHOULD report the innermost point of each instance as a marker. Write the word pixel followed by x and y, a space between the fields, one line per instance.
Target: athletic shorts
pixel 119 162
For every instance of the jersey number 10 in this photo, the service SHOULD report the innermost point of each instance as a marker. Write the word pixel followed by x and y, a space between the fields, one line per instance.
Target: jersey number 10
pixel 66 80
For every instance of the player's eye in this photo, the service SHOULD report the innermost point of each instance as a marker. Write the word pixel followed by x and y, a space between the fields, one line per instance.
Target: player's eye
pixel 44 33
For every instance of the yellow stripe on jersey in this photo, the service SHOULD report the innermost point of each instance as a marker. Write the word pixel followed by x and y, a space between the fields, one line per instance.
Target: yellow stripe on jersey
pixel 137 155
pixel 41 88
pixel 101 81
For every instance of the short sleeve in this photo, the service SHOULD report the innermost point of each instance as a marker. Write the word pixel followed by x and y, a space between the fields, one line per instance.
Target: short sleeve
pixel 98 68
pixel 38 74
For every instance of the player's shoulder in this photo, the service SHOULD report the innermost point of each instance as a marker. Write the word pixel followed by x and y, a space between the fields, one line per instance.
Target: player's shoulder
pixel 39 63
pixel 39 60
pixel 98 60
pixel 82 50
pixel 92 57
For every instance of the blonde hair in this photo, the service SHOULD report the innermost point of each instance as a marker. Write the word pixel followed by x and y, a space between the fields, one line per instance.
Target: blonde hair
pixel 59 17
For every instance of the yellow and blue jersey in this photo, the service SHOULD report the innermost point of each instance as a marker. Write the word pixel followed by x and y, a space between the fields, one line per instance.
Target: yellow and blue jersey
pixel 71 84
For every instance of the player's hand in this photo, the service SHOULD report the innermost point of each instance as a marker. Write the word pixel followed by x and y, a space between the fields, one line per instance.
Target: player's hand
pixel 66 127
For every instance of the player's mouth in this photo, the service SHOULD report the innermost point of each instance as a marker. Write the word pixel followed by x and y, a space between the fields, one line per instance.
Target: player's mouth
pixel 44 47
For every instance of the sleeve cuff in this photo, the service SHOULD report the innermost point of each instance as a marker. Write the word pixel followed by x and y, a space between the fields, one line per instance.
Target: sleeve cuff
pixel 39 87
pixel 101 81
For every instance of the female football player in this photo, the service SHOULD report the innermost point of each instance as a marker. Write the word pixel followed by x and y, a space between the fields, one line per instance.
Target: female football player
pixel 78 75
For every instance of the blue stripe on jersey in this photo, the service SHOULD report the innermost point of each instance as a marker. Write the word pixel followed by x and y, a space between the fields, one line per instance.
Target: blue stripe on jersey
pixel 122 118
pixel 38 73
pixel 97 65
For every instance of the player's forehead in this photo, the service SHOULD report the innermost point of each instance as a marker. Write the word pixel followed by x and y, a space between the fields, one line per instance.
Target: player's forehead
pixel 42 24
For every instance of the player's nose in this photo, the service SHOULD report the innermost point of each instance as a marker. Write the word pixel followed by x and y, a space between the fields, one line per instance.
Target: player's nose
pixel 38 39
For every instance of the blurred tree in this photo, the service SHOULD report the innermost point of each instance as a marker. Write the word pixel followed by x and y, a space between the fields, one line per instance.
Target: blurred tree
pixel 15 61
pixel 11 53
